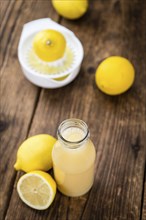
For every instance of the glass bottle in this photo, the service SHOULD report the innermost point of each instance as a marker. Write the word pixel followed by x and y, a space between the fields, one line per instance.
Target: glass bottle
pixel 73 158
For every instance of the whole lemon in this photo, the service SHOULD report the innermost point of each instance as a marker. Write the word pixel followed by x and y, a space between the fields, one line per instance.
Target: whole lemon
pixel 49 45
pixel 115 75
pixel 71 9
pixel 35 153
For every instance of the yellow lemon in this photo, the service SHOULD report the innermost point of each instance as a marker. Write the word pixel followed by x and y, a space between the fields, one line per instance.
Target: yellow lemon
pixel 37 189
pixel 115 75
pixel 49 45
pixel 71 9
pixel 35 153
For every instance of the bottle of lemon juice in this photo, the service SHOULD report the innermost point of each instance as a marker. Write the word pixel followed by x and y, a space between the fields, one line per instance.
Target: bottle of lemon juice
pixel 73 158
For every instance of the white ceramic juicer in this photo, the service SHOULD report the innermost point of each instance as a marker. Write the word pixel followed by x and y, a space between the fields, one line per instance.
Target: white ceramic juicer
pixel 58 78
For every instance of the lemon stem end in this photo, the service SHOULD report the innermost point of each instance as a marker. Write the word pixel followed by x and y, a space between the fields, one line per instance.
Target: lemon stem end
pixel 16 166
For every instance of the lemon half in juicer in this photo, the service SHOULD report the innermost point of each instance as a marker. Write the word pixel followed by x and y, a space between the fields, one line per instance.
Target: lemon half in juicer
pixel 49 45
pixel 50 54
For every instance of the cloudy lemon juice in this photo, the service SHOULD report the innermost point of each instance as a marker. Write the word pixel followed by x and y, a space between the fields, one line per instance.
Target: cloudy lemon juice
pixel 73 158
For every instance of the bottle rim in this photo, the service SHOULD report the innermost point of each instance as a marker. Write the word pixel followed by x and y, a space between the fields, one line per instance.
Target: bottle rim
pixel 73 122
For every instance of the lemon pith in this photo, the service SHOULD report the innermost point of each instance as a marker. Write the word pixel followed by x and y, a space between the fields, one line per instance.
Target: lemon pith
pixel 49 45
pixel 37 189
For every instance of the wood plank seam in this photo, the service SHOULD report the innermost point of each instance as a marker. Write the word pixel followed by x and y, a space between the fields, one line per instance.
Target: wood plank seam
pixel 85 204
pixel 143 193
pixel 34 110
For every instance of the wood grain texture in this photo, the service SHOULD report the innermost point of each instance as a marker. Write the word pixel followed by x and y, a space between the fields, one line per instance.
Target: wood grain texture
pixel 144 202
pixel 18 96
pixel 15 116
pixel 117 124
pixel 4 12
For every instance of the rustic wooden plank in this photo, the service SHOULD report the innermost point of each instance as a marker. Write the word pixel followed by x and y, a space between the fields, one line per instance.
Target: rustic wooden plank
pixel 8 26
pixel 18 96
pixel 3 9
pixel 144 202
pixel 5 12
pixel 116 123
pixel 14 117
pixel 121 167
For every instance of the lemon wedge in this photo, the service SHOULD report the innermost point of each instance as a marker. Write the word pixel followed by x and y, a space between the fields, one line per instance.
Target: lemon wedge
pixel 37 189
pixel 49 45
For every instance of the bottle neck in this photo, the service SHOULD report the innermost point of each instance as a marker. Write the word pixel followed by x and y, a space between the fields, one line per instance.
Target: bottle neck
pixel 73 133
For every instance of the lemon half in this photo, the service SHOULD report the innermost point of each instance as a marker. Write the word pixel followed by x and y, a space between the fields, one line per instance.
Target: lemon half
pixel 37 189
pixel 115 75
pixel 49 45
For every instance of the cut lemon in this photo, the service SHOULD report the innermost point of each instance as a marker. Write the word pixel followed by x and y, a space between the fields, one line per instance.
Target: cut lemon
pixel 49 45
pixel 37 189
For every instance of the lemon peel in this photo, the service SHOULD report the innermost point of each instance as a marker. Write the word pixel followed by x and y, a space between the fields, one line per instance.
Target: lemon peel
pixel 49 45
pixel 35 153
pixel 71 9
pixel 115 75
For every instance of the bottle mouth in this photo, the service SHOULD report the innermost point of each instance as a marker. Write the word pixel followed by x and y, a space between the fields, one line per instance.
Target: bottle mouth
pixel 73 123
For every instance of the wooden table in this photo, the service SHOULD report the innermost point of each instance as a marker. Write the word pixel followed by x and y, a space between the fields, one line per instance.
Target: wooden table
pixel 117 124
